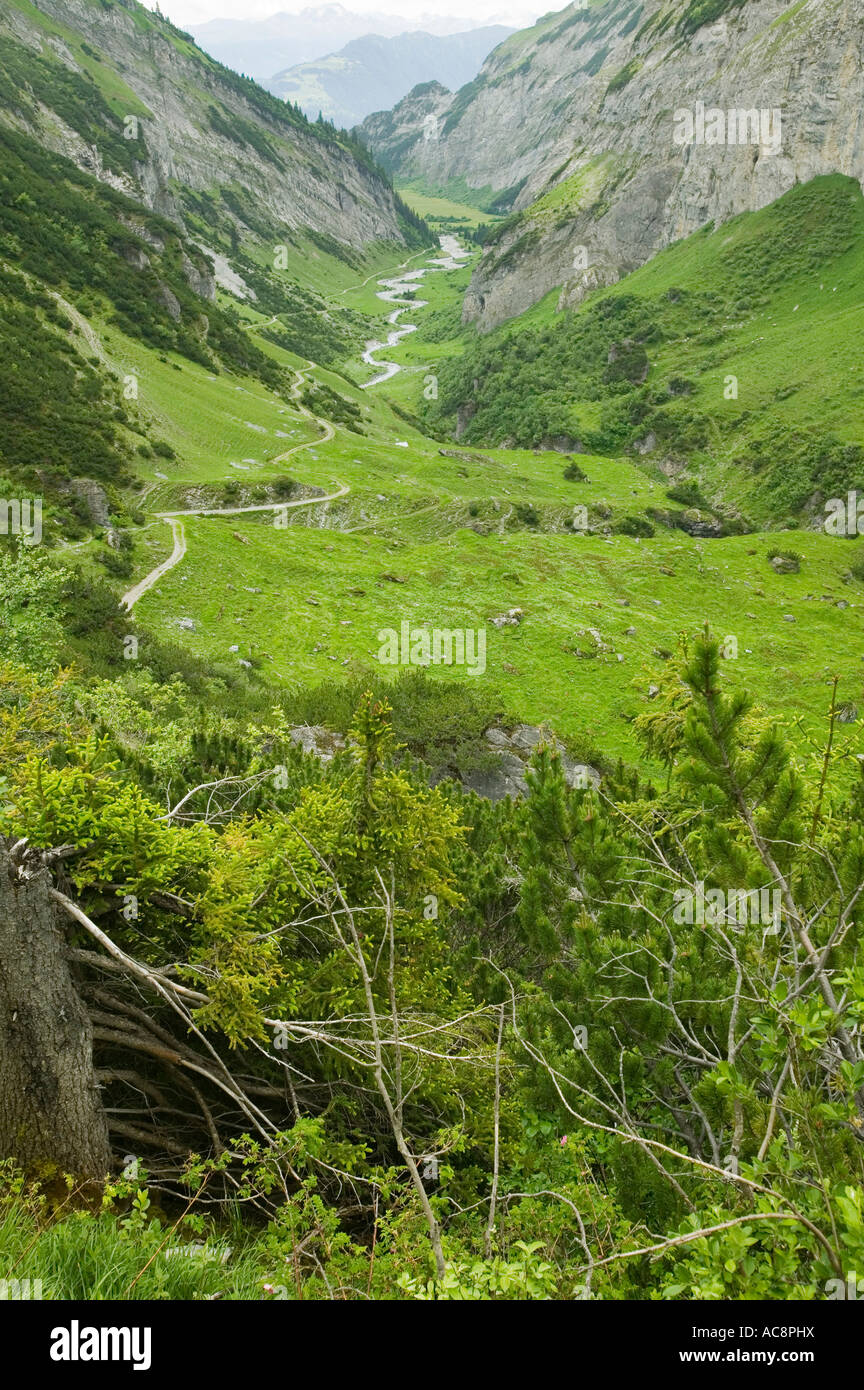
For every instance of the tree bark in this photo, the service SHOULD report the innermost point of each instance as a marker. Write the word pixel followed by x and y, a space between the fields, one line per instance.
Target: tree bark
pixel 51 1114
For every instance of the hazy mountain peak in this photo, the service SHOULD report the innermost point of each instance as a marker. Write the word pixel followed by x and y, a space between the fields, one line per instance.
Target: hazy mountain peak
pixel 377 70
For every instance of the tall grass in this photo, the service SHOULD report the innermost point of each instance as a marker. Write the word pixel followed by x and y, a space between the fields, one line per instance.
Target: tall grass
pixel 103 1256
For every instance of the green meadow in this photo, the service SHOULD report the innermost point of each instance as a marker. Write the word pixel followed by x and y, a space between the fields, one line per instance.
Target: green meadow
pixel 308 602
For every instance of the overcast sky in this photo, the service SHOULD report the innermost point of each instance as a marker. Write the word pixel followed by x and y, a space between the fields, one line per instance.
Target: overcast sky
pixel 518 13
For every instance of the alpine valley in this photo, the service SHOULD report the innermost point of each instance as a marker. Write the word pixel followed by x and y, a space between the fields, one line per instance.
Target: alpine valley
pixel 431 663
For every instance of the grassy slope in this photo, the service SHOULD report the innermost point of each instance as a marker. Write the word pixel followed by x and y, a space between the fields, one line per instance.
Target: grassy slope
pixel 308 580
pixel 799 359
pixel 437 210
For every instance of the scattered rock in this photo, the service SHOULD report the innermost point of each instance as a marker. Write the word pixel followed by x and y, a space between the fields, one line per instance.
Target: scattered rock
pixel 646 445
pixel 507 778
pixel 465 456
pixel 560 444
pixel 509 753
pixel 511 618
pixel 168 299
pixel 785 564
pixel 697 523
pixel 464 415
pixel 597 644
pixel 93 497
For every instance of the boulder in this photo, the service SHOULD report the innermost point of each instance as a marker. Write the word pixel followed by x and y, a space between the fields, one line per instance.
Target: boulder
pixel 315 739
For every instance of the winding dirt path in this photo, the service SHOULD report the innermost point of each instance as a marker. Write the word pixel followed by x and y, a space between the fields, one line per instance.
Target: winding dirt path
pixel 131 597
pixel 174 519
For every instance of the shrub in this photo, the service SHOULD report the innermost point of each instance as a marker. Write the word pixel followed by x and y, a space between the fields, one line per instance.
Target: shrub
pixel 634 526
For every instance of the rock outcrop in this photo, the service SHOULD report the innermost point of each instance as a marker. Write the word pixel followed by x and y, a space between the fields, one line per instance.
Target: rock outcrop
pixel 505 774
pixel 499 772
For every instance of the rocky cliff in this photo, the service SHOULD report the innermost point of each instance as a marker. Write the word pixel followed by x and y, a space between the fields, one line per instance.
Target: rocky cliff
pixel 580 127
pixel 132 100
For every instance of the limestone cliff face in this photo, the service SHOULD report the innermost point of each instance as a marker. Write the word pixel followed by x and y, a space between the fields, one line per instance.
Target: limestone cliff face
pixel 572 125
pixel 201 127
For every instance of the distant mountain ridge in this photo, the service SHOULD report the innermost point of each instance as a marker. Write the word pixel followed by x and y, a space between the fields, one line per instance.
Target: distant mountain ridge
pixel 262 47
pixel 375 72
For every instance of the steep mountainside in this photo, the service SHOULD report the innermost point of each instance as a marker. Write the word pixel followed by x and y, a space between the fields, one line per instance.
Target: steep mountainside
pixel 686 365
pixel 130 99
pixel 572 125
pixel 374 72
